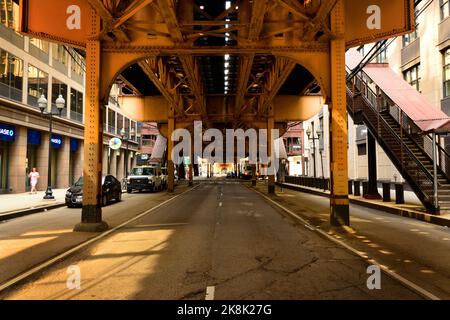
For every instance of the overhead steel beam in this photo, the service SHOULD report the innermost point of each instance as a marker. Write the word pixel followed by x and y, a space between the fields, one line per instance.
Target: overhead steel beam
pixel 194 78
pixel 280 71
pixel 155 69
pixel 129 12
pixel 320 19
pixel 108 21
pixel 168 13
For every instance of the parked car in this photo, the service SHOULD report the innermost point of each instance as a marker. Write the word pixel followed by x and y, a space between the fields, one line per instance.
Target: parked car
pixel 111 190
pixel 145 178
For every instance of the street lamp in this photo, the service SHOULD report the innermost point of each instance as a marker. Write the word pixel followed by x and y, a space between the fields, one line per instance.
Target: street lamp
pixel 310 134
pixel 124 134
pixel 60 104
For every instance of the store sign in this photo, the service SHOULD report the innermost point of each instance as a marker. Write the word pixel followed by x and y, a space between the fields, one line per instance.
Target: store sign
pixel 368 21
pixel 7 132
pixel 34 137
pixel 64 21
pixel 56 141
pixel 73 145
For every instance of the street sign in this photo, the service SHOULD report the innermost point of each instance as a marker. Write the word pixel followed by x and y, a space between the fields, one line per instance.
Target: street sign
pixel 368 21
pixel 64 21
pixel 115 143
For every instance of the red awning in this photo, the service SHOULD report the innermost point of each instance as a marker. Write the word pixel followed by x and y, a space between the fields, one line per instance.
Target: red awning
pixel 425 115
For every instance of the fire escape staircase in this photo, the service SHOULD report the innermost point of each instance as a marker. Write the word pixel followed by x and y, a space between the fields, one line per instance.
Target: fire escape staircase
pixel 409 150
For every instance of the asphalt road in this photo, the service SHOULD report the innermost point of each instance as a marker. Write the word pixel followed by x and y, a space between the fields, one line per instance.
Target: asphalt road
pixel 28 241
pixel 221 238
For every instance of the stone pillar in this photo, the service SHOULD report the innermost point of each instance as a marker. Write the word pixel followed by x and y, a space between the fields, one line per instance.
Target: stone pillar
pixel 78 158
pixel 63 160
pixel 105 161
pixel 42 162
pixel 17 161
pixel 120 164
pixel 91 213
pixel 339 202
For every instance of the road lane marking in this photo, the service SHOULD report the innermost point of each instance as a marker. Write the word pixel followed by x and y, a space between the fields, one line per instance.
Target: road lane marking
pixel 82 245
pixel 210 293
pixel 409 284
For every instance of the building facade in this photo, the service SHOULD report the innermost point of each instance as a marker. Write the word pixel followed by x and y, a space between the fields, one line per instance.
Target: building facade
pixel 30 68
pixel 421 58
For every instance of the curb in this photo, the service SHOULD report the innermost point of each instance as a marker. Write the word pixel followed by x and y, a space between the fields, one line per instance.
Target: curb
pixel 425 217
pixel 24 212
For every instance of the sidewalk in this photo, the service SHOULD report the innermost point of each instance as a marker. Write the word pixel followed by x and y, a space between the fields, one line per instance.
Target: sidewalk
pixel 19 204
pixel 409 210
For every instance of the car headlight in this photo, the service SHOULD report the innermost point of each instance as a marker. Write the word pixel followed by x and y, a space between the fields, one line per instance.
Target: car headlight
pixel 68 194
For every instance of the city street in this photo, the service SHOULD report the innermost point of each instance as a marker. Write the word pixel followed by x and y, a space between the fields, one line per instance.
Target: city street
pixel 220 238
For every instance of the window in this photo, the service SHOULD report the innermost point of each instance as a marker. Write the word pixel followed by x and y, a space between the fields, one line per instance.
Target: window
pixel 382 56
pixel 78 64
pixel 40 44
pixel 412 76
pixel 445 9
pixel 60 53
pixel 111 121
pixel 76 105
pixel 119 123
pixel 408 38
pixel 37 85
pixel 59 88
pixel 9 14
pixel 11 76
pixel 362 149
pixel 446 73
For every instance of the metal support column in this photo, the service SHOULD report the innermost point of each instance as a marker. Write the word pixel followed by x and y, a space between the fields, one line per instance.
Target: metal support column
pixel 339 202
pixel 435 180
pixel 191 165
pixel 372 188
pixel 91 214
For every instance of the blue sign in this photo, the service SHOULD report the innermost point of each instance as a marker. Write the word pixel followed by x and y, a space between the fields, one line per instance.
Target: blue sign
pixel 56 141
pixel 34 137
pixel 7 132
pixel 73 145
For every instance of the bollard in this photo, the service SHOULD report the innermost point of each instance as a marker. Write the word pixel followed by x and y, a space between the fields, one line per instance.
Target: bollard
pixel 399 193
pixel 365 186
pixel 386 191
pixel 350 186
pixel 357 191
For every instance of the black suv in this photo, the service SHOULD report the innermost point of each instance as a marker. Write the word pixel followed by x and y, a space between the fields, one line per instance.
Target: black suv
pixel 111 189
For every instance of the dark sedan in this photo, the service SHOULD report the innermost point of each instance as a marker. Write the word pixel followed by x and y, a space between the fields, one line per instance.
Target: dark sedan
pixel 111 189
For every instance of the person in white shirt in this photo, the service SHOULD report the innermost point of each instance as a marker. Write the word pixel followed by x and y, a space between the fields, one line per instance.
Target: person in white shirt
pixel 34 177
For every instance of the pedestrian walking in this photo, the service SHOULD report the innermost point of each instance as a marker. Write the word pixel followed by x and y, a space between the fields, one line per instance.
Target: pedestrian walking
pixel 34 178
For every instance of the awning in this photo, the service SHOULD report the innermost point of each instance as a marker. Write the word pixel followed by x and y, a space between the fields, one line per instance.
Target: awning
pixel 419 109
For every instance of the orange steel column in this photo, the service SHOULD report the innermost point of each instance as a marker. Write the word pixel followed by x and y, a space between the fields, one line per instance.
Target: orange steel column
pixel 170 167
pixel 340 214
pixel 91 214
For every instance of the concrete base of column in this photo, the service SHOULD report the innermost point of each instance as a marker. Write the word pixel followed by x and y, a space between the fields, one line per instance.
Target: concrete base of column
pixel 91 227
pixel 253 183
pixel 340 215
pixel 91 220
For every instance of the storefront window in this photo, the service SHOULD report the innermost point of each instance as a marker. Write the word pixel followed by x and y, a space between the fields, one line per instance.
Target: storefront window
pixel 11 76
pixel 40 44
pixel 60 54
pixel 37 85
pixel 76 105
